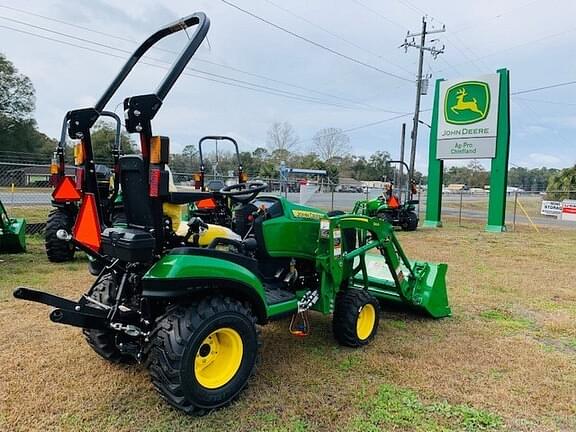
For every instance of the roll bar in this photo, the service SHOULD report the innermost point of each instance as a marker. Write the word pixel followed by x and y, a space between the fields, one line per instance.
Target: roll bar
pixel 410 177
pixel 241 177
pixel 114 116
pixel 399 162
pixel 218 138
pixel 199 19
pixel 80 121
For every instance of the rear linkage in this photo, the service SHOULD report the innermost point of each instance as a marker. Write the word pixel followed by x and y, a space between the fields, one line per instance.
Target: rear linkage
pixel 89 313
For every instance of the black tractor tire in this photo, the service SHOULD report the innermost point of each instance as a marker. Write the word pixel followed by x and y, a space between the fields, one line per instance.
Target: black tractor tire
pixel 56 249
pixel 104 341
pixel 182 340
pixel 95 266
pixel 351 306
pixel 410 222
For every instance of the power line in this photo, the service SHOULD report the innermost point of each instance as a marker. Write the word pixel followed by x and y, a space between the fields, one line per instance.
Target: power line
pixel 256 89
pixel 382 16
pixel 337 36
pixel 536 89
pixel 530 42
pixel 276 91
pixel 536 117
pixel 153 59
pixel 364 126
pixel 477 23
pixel 545 101
pixel 195 59
pixel 316 44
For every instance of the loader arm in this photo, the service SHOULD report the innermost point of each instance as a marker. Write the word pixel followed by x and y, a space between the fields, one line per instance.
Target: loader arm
pixel 390 276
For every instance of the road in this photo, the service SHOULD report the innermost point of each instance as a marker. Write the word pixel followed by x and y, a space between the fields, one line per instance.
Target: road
pixel 337 201
pixel 42 197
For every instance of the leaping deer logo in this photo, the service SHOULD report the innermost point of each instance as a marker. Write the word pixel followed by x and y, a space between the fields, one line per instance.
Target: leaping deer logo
pixel 462 105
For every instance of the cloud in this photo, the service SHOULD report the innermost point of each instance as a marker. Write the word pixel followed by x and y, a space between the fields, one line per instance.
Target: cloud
pixel 69 77
pixel 539 159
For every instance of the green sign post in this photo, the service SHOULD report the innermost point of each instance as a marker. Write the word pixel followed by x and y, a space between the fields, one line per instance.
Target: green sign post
pixel 471 120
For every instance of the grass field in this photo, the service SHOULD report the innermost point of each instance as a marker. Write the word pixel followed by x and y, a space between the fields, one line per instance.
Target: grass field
pixel 32 214
pixel 506 360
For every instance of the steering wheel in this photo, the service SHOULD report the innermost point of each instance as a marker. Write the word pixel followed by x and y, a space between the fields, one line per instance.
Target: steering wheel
pixel 244 192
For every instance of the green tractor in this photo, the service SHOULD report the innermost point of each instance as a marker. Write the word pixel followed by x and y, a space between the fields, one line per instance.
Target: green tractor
pixel 191 314
pixel 12 232
pixel 389 206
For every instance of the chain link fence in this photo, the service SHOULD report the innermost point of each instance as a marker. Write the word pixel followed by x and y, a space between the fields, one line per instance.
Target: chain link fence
pixel 25 190
pixel 536 209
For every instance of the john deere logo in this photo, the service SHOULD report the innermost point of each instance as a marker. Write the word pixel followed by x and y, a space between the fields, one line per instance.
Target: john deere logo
pixel 467 102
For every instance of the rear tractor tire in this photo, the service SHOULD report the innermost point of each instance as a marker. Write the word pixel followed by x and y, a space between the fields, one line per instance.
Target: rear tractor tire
pixel 411 222
pixel 56 249
pixel 104 341
pixel 201 356
pixel 356 317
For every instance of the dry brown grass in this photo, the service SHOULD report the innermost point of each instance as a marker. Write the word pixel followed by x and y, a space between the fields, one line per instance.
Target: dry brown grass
pixel 509 352
pixel 32 214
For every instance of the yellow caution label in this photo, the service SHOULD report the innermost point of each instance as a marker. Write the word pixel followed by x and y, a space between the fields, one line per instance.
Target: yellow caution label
pixel 306 214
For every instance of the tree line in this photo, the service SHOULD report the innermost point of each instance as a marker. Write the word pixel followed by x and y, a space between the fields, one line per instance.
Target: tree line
pixel 475 176
pixel 329 149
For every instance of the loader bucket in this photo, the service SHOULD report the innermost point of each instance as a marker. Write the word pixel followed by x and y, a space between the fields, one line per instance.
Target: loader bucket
pixel 430 290
pixel 425 292
pixel 12 236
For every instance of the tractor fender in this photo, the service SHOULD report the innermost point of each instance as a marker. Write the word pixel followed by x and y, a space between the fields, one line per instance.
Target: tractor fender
pixel 383 207
pixel 179 275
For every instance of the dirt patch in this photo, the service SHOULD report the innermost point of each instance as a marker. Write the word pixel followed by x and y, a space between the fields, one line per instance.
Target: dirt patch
pixel 503 361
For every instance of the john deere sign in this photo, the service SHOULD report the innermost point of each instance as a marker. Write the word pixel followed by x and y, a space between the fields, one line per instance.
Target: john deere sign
pixel 467 102
pixel 471 120
pixel 467 125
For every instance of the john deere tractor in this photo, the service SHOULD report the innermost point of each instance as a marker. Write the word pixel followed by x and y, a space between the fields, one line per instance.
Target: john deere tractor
pixel 12 232
pixel 390 207
pixel 217 209
pixel 191 314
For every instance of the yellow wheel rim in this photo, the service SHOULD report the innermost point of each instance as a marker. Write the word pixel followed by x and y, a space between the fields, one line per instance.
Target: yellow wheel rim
pixel 218 358
pixel 366 321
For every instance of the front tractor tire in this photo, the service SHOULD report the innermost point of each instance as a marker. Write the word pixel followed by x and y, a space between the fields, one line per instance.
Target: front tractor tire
pixel 411 222
pixel 202 355
pixel 356 317
pixel 56 249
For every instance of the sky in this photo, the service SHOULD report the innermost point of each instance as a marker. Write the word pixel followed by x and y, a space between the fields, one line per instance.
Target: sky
pixel 250 74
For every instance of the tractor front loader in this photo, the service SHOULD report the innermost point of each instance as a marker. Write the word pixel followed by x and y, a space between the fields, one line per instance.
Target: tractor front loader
pixel 189 313
pixel 12 232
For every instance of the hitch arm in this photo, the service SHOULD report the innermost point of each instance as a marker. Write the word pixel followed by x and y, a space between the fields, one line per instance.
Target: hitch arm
pixel 24 293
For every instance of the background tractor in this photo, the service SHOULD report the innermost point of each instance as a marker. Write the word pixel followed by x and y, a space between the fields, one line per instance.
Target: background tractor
pixel 12 232
pixel 390 206
pixel 90 177
pixel 217 209
pixel 190 314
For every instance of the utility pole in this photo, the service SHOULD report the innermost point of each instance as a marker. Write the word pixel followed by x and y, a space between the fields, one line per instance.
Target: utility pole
pixel 402 142
pixel 419 90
